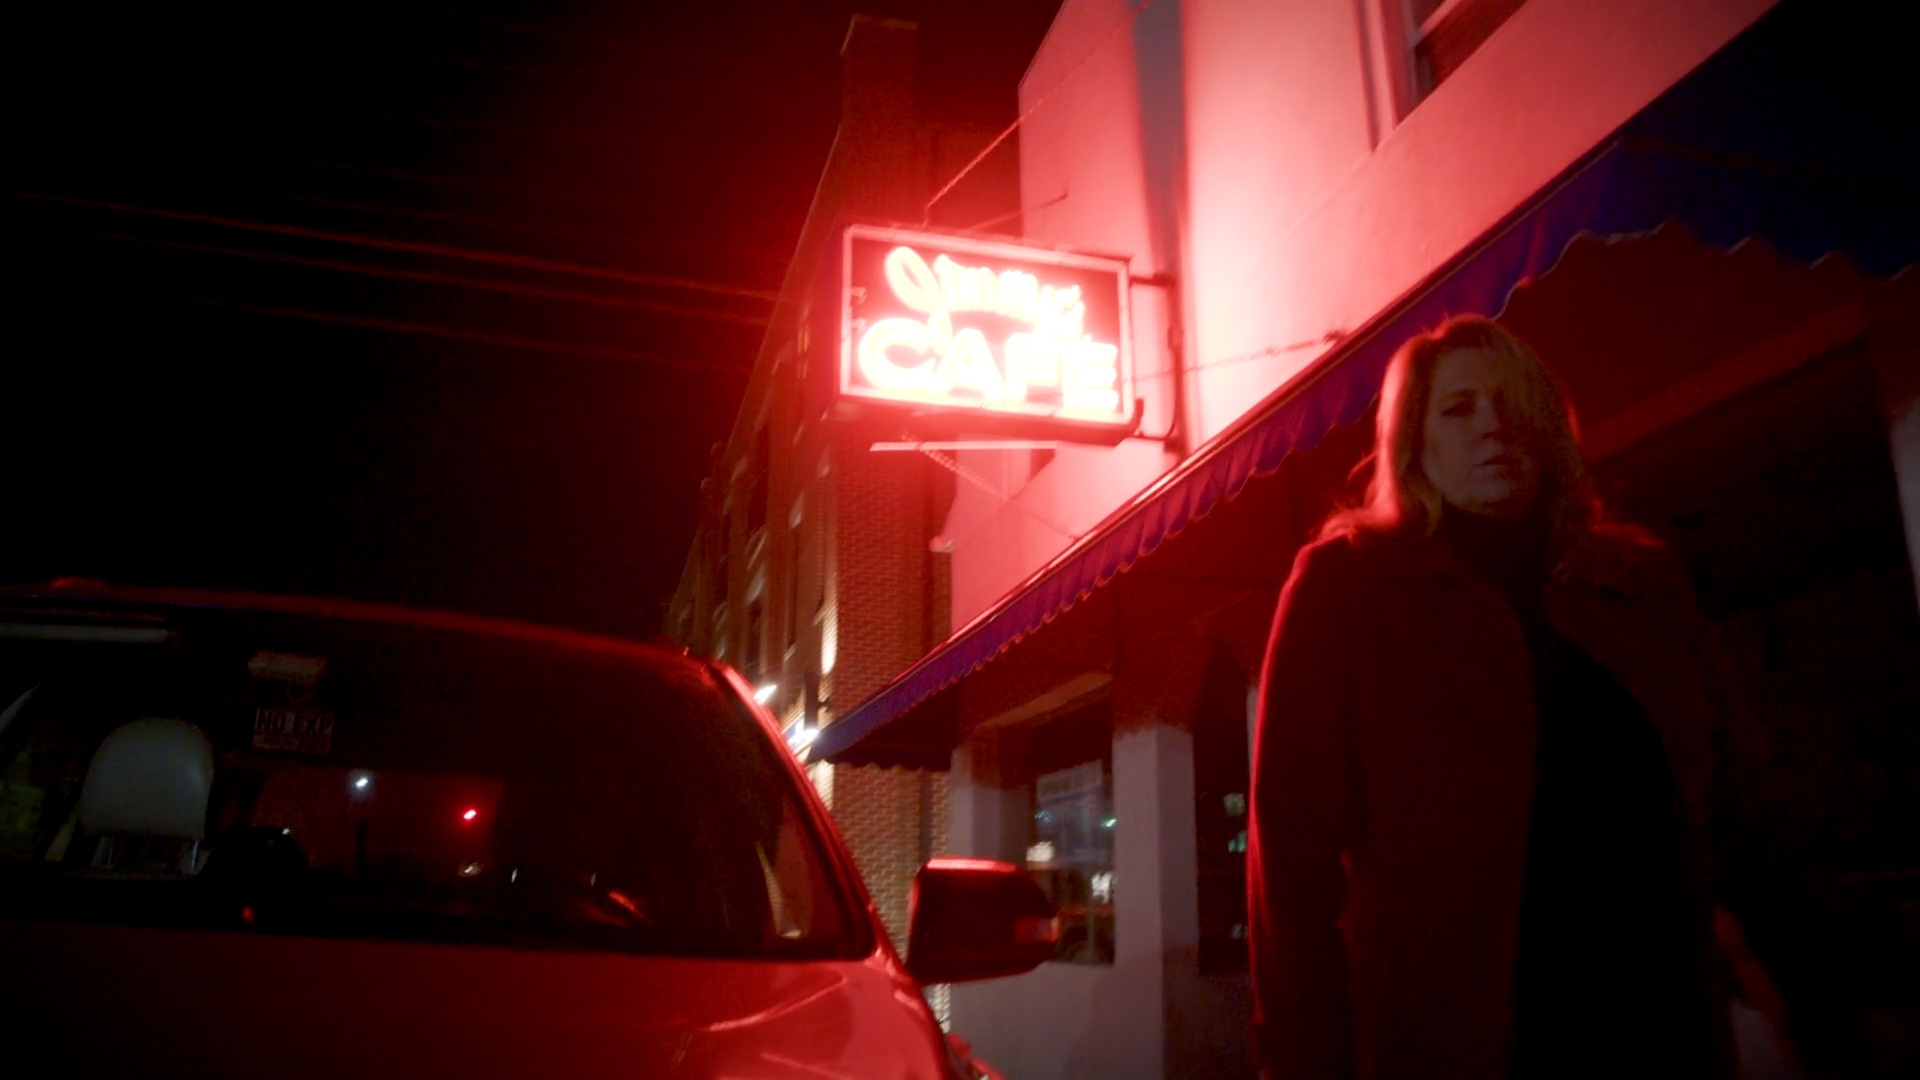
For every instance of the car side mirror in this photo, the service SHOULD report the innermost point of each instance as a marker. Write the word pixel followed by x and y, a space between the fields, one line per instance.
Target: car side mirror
pixel 977 919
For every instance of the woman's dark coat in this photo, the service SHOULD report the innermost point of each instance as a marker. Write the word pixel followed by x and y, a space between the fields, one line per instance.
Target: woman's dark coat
pixel 1393 773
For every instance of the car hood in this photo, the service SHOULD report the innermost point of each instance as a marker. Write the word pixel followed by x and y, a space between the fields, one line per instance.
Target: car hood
pixel 231 1004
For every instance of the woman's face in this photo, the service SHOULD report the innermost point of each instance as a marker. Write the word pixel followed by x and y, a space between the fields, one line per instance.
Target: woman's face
pixel 1479 461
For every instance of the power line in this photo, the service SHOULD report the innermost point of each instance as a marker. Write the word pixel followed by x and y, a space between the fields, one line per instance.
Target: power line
pixel 467 183
pixel 1331 337
pixel 525 262
pixel 927 215
pixel 492 223
pixel 632 137
pixel 513 341
pixel 429 277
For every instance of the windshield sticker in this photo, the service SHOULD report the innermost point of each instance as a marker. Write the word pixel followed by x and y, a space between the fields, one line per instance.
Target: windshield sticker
pixel 301 731
pixel 286 668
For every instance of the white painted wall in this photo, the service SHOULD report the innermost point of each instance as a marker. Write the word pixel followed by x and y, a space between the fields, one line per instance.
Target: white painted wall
pixel 1099 98
pixel 1285 221
pixel 1350 230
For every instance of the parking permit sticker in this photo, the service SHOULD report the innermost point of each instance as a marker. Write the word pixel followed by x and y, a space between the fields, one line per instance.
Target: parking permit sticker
pixel 289 717
pixel 302 671
pixel 298 730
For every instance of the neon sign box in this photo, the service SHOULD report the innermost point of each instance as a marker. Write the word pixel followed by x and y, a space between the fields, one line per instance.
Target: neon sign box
pixel 968 335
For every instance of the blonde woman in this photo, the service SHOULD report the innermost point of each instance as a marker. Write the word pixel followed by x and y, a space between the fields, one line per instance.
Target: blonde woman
pixel 1482 759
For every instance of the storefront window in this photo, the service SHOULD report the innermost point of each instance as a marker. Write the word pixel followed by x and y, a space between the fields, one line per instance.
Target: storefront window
pixel 1221 778
pixel 1072 857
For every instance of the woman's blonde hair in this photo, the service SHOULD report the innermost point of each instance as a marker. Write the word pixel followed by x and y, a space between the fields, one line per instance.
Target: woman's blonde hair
pixel 1401 502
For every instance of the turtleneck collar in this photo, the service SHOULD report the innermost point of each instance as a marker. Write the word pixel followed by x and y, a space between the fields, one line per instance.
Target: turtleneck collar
pixel 1511 554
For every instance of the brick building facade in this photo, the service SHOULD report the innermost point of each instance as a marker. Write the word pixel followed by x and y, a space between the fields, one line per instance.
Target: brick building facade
pixel 812 569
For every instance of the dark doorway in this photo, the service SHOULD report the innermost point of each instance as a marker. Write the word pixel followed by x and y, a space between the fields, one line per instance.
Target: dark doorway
pixel 1782 501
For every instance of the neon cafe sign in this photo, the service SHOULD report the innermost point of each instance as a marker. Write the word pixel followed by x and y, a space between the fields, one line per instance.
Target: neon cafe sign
pixel 987 336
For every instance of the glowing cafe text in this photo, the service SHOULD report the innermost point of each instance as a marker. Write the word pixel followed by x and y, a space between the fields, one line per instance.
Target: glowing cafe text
pixel 1008 336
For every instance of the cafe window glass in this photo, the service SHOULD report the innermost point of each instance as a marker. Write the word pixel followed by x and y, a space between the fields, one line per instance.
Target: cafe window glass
pixel 1072 857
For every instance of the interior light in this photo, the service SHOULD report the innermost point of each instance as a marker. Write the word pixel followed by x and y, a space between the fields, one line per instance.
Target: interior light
pixel 1101 886
pixel 765 693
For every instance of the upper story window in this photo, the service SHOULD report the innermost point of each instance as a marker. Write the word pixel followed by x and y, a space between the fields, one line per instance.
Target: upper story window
pixel 1441 34
pixel 797 571
pixel 754 663
pixel 723 553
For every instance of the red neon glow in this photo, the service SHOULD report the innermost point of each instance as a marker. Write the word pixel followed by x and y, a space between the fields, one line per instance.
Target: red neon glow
pixel 470 814
pixel 633 906
pixel 1034 928
pixel 928 360
pixel 955 862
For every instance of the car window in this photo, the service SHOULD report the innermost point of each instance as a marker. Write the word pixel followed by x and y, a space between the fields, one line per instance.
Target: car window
pixel 394 782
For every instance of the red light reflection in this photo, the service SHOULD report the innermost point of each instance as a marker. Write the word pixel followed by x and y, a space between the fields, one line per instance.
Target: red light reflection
pixel 954 862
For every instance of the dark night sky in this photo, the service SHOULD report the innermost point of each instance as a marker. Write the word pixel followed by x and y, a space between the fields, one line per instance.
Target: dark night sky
pixel 411 303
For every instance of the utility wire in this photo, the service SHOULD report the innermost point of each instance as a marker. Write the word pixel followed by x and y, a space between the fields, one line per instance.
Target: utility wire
pixel 526 262
pixel 578 136
pixel 1001 219
pixel 446 181
pixel 440 181
pixel 478 221
pixel 1331 337
pixel 430 277
pixel 513 341
pixel 927 215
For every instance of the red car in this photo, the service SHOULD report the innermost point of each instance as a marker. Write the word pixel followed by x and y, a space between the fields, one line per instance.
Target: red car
pixel 263 836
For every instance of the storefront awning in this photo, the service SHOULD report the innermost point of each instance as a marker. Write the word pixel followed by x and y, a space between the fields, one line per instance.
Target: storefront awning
pixel 1796 132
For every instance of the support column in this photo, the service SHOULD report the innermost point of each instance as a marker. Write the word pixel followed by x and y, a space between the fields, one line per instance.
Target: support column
pixel 1156 906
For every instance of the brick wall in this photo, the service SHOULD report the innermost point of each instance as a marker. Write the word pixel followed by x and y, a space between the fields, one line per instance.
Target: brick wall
pixel 882 567
pixel 890 606
pixel 892 819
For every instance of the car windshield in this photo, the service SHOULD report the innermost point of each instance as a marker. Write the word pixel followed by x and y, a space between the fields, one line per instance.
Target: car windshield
pixel 272 774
